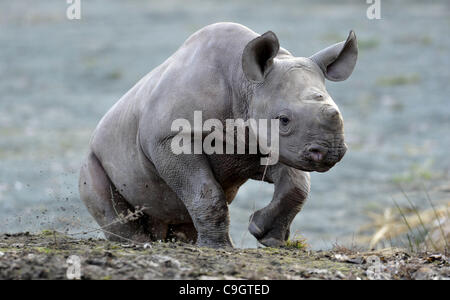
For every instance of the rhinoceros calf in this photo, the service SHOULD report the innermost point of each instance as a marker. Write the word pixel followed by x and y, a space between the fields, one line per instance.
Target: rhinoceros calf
pixel 226 71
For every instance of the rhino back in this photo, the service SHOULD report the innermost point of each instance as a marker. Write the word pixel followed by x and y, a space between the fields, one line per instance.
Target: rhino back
pixel 203 74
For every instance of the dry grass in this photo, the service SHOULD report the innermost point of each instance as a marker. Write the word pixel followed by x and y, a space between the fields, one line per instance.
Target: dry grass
pixel 424 230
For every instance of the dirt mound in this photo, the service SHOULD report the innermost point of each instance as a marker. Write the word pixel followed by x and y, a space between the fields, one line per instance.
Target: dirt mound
pixel 50 255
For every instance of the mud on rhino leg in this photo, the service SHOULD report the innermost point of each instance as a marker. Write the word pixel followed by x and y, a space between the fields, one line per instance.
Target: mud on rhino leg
pixel 106 205
pixel 271 224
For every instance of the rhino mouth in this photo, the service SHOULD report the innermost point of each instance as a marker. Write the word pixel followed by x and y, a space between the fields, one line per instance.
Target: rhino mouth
pixel 308 166
pixel 321 168
pixel 322 159
pixel 317 158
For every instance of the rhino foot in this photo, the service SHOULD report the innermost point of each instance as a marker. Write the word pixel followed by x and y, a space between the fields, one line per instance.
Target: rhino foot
pixel 271 235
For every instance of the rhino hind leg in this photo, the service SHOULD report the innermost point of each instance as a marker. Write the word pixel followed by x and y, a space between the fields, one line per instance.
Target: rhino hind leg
pixel 110 210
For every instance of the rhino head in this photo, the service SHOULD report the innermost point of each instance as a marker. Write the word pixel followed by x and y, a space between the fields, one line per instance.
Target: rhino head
pixel 292 89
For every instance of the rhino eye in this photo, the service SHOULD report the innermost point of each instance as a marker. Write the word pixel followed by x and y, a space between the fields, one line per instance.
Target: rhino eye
pixel 318 97
pixel 284 120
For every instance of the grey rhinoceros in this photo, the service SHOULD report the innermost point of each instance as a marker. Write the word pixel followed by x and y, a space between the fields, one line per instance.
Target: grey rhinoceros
pixel 226 71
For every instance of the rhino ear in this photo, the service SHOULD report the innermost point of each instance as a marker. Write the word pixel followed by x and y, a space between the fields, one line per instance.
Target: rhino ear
pixel 257 58
pixel 338 61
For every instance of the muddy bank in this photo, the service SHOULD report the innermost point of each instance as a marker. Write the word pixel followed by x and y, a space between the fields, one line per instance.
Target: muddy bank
pixel 44 256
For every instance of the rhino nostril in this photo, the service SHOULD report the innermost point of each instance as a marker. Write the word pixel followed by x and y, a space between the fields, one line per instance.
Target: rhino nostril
pixel 317 153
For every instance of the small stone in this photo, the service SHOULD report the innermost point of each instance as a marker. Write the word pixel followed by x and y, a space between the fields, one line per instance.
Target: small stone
pixel 192 249
pixel 356 260
pixel 424 273
pixel 167 261
pixel 227 277
pixel 318 271
pixel 436 257
pixel 340 275
pixel 341 257
pixel 231 270
pixel 275 263
pixel 205 277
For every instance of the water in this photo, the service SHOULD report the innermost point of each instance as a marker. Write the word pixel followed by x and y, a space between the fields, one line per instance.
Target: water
pixel 58 78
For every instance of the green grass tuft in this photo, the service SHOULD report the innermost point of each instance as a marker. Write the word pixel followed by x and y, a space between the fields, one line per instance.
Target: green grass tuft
pixel 47 232
pixel 297 242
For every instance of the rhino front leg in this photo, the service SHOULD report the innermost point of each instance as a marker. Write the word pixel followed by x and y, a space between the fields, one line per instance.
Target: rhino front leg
pixel 271 224
pixel 192 179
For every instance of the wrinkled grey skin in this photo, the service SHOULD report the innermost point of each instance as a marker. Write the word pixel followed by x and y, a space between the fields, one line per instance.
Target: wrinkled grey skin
pixel 226 71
